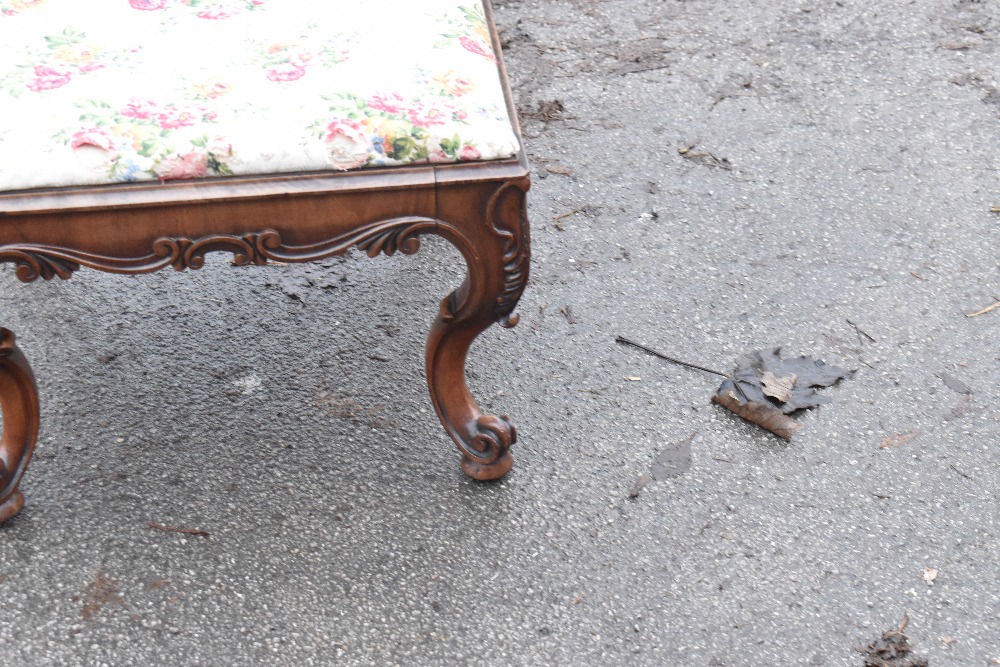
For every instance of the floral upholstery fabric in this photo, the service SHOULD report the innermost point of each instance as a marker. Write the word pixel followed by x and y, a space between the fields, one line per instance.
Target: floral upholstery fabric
pixel 105 91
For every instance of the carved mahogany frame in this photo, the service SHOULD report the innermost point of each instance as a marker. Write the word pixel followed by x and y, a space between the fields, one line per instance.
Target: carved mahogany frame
pixel 140 228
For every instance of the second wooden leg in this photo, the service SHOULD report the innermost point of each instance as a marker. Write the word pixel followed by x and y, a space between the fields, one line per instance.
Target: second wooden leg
pixel 19 402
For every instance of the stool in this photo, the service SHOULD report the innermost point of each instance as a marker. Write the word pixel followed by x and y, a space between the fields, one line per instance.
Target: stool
pixel 137 135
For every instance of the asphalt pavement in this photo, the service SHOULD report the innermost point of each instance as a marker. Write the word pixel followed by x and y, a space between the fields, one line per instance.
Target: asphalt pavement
pixel 709 179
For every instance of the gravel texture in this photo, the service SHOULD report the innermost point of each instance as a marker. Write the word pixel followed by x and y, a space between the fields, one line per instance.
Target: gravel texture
pixel 709 178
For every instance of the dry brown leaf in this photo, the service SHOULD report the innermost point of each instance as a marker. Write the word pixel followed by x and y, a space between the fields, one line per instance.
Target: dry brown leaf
pixel 778 388
pixel 763 415
pixel 898 440
pixel 751 390
pixel 893 649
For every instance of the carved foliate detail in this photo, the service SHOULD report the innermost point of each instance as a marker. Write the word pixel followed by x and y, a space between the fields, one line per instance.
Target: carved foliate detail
pixel 33 264
pixel 516 251
pixel 515 268
pixel 403 239
pixel 390 236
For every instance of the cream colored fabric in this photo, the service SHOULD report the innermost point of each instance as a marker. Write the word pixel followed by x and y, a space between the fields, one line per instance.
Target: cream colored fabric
pixel 102 91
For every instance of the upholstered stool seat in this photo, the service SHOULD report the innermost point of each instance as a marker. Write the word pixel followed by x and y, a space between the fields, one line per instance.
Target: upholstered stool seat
pixel 140 134
pixel 101 92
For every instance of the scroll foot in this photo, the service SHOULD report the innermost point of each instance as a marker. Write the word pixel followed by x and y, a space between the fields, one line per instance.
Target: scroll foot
pixel 483 440
pixel 497 434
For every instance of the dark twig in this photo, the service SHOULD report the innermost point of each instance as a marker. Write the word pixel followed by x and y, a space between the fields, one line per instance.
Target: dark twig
pixel 177 529
pixel 965 475
pixel 626 341
pixel 648 68
pixel 860 331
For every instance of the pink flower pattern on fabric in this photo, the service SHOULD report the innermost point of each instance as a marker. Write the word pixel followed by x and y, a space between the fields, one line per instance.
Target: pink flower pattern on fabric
pixel 216 13
pixel 140 109
pixel 429 116
pixel 148 5
pixel 214 10
pixel 395 130
pixel 477 46
pixel 15 7
pixel 471 32
pixel 189 165
pixel 140 138
pixel 289 61
pixel 49 78
pixel 64 55
pixel 347 144
pixel 181 129
pixel 286 72
pixel 176 117
pixel 93 137
pixel 388 102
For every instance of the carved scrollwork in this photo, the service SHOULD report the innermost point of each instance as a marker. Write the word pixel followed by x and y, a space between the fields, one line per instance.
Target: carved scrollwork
pixel 516 251
pixel 389 236
pixel 494 437
pixel 192 255
pixel 34 264
pixel 515 270
pixel 507 221
pixel 402 239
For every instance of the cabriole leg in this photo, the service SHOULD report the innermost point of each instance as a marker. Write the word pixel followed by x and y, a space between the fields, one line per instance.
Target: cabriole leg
pixel 497 255
pixel 19 402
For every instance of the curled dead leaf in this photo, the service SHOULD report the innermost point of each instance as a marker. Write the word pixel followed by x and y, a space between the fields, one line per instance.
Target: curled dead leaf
pixel 893 649
pixel 765 388
pixel 763 415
